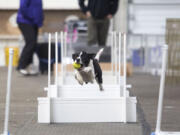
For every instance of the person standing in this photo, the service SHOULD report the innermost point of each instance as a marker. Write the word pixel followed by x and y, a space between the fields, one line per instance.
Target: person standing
pixel 29 20
pixel 98 13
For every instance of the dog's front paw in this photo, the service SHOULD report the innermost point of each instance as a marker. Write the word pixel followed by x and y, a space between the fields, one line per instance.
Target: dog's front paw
pixel 75 77
pixel 91 81
pixel 80 82
pixel 79 78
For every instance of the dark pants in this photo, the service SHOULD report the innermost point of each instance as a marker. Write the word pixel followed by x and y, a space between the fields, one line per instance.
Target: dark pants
pixel 30 34
pixel 97 31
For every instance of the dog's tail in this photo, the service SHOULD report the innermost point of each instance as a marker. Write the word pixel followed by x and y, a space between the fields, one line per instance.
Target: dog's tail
pixel 99 54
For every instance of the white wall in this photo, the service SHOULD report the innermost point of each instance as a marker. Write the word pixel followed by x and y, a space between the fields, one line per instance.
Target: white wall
pixel 61 4
pixel 147 21
pixel 149 16
pixel 155 1
pixel 48 4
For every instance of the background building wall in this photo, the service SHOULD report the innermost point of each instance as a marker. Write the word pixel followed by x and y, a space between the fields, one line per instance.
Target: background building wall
pixel 120 20
pixel 147 21
pixel 47 4
pixel 149 16
pixel 7 28
pixel 53 21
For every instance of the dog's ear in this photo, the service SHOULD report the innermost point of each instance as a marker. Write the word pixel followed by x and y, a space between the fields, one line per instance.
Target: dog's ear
pixel 91 55
pixel 74 56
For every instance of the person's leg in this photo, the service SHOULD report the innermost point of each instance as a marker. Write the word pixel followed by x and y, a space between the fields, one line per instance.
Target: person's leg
pixel 92 31
pixel 34 46
pixel 30 36
pixel 103 27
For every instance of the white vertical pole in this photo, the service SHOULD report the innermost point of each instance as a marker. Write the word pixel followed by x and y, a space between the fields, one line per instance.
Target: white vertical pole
pixel 49 74
pixel 161 89
pixel 65 51
pixel 49 65
pixel 8 94
pixel 65 44
pixel 124 73
pixel 115 53
pixel 56 58
pixel 62 54
pixel 120 59
pixel 112 52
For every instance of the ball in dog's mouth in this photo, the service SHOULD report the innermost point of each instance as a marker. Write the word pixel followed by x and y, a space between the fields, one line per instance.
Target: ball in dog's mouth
pixel 76 65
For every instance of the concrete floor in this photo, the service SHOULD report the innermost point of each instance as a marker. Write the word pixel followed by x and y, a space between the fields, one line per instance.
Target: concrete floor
pixel 25 91
pixel 23 114
pixel 146 88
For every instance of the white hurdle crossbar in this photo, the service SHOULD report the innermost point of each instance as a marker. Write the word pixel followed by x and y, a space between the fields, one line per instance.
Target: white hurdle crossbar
pixel 8 94
pixel 161 96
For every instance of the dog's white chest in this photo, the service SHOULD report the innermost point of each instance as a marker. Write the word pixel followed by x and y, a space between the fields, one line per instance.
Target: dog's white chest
pixel 87 76
pixel 87 73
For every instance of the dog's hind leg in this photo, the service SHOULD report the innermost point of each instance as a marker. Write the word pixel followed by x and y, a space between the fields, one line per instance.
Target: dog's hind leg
pixel 99 81
pixel 101 87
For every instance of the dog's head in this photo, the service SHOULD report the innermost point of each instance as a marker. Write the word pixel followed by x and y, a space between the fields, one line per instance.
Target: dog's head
pixel 83 58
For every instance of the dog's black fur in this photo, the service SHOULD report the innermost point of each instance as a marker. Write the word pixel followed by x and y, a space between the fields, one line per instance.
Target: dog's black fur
pixel 90 68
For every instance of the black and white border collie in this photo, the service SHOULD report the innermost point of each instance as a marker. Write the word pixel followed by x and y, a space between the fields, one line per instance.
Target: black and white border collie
pixel 90 68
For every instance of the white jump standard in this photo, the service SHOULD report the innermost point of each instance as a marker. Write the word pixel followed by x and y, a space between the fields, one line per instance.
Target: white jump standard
pixel 67 101
pixel 161 97
pixel 8 94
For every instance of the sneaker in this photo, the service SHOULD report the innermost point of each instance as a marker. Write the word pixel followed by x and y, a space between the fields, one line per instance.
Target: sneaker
pixel 31 70
pixel 23 72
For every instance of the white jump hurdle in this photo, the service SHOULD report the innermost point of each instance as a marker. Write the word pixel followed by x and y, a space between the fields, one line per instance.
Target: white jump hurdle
pixel 67 101
pixel 161 97
pixel 8 94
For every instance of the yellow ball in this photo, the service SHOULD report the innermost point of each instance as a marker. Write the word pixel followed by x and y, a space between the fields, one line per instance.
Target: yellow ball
pixel 76 65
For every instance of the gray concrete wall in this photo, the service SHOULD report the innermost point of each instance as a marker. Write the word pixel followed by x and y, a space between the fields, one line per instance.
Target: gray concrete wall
pixel 120 19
